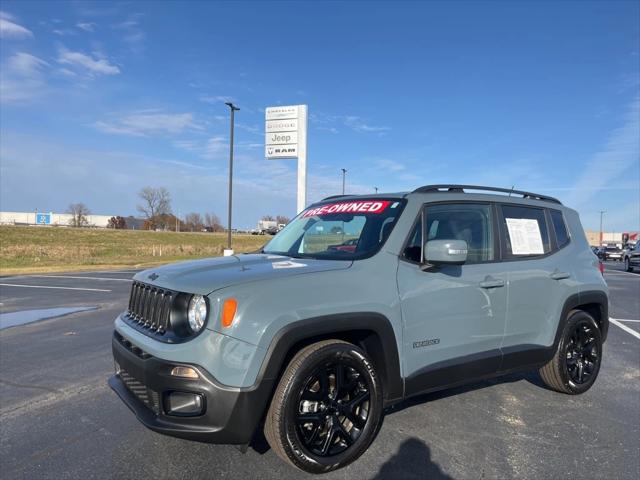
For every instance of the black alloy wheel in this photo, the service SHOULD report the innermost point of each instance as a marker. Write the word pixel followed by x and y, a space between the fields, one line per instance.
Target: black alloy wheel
pixel 578 356
pixel 327 407
pixel 333 409
pixel 583 353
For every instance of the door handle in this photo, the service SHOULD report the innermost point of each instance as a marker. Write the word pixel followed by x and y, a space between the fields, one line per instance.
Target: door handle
pixel 557 275
pixel 490 282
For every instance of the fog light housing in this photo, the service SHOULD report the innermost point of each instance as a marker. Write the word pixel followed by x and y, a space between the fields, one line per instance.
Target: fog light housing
pixel 184 404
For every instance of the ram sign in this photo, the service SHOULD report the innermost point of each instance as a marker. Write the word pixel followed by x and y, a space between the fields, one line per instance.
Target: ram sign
pixel 285 133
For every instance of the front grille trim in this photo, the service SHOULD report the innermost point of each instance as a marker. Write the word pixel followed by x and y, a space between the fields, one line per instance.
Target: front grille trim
pixel 150 308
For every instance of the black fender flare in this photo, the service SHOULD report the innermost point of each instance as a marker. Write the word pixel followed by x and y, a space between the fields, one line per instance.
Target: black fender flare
pixel 387 360
pixel 590 297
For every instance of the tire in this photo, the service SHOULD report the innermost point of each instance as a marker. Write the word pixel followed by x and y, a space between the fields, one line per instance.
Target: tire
pixel 627 265
pixel 576 363
pixel 334 386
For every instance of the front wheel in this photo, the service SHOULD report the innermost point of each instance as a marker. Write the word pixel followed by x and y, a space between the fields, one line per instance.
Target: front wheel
pixel 576 363
pixel 326 409
pixel 627 265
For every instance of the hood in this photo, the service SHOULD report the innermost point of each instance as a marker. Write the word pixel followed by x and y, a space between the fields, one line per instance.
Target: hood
pixel 206 275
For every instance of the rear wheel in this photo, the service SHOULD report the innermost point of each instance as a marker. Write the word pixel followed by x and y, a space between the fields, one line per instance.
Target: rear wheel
pixel 326 409
pixel 627 265
pixel 576 364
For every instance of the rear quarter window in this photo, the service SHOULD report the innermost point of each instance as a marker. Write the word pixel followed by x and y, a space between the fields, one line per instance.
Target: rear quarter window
pixel 525 232
pixel 559 227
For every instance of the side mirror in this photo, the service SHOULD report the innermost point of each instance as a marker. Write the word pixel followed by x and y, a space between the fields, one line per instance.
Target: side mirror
pixel 445 252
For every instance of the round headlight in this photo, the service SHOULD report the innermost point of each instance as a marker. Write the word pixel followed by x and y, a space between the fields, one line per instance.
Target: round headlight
pixel 197 312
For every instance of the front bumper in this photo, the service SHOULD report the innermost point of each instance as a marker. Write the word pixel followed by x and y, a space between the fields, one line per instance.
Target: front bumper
pixel 230 415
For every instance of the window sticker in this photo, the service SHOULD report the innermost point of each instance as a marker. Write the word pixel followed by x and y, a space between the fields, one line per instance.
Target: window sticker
pixel 365 206
pixel 525 236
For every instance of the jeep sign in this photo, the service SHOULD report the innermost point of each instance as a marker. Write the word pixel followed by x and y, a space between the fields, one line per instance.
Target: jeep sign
pixel 286 137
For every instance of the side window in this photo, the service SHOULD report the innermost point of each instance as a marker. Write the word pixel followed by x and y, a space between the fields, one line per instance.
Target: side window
pixel 562 237
pixel 464 221
pixel 525 231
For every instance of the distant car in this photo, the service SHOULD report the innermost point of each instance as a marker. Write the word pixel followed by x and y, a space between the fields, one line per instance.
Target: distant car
pixel 631 257
pixel 612 253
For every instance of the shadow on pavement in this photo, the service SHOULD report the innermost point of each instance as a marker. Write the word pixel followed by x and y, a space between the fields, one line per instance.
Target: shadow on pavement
pixel 413 460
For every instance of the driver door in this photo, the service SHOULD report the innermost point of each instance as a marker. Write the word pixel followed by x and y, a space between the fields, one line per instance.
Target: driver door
pixel 454 315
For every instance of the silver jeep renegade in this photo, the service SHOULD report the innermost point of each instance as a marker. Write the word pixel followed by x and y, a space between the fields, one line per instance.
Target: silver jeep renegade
pixel 358 303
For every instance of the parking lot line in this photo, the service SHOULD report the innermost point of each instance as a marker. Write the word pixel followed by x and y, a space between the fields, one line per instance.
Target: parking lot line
pixel 620 272
pixel 54 288
pixel 627 320
pixel 624 327
pixel 83 278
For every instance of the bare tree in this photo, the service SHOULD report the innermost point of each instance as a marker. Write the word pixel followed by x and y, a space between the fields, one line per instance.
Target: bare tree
pixel 282 219
pixel 79 213
pixel 268 218
pixel 118 223
pixel 212 222
pixel 156 204
pixel 193 221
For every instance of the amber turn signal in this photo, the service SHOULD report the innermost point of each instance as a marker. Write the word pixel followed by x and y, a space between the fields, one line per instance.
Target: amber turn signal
pixel 186 372
pixel 229 311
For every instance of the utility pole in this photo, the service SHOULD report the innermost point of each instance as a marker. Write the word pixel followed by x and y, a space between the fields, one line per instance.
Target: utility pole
pixel 344 173
pixel 602 212
pixel 233 109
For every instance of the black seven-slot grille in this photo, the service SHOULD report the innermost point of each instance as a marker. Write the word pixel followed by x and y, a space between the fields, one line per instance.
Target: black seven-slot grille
pixel 150 307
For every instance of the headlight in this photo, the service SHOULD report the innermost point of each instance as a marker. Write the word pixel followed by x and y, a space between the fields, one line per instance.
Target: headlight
pixel 197 312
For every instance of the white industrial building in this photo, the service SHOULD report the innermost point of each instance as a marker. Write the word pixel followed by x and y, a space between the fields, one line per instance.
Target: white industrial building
pixel 50 219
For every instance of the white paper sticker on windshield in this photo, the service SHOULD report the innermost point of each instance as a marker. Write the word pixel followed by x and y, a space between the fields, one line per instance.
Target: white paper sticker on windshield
pixel 287 264
pixel 525 236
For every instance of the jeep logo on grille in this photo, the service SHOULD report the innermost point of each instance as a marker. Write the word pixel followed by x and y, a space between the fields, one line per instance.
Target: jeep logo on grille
pixel 153 276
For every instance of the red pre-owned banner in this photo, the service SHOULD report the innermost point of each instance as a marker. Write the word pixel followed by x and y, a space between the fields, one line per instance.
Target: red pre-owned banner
pixel 362 206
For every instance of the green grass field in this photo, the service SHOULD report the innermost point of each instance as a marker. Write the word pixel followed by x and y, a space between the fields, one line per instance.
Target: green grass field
pixel 48 249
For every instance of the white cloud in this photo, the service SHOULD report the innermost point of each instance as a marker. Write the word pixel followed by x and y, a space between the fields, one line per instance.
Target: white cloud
pixel 25 64
pixel 87 63
pixel 358 125
pixel 389 165
pixel 22 80
pixel 355 123
pixel 63 32
pixel 66 72
pixel 86 26
pixel 216 146
pixel 149 122
pixel 217 99
pixel 10 29
pixel 622 151
pixel 333 130
pixel 255 129
pixel 132 34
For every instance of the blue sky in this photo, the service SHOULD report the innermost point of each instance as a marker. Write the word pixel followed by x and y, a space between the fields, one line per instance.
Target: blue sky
pixel 101 99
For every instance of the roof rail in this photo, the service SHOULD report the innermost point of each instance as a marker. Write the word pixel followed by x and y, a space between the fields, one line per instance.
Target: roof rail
pixel 462 188
pixel 335 196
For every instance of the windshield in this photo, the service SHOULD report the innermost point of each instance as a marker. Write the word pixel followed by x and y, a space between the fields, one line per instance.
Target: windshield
pixel 347 230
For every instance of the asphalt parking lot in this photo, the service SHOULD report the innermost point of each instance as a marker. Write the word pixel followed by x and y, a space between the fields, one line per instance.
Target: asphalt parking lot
pixel 58 418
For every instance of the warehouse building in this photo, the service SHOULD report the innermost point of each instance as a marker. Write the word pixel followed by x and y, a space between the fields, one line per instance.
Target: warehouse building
pixel 611 238
pixel 50 219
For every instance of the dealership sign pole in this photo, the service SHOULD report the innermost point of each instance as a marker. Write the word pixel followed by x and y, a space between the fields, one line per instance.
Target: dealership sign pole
pixel 286 137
